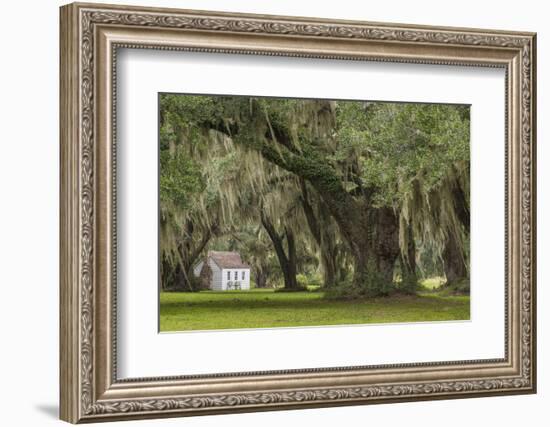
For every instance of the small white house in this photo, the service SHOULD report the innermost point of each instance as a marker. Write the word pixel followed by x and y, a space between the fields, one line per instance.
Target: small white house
pixel 224 271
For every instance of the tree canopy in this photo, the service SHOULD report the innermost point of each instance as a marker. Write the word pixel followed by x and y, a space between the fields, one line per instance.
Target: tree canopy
pixel 364 193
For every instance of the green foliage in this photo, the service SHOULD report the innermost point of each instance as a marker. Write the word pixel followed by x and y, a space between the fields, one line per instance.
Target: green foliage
pixel 182 114
pixel 394 144
pixel 180 179
pixel 458 287
pixel 440 285
pixel 226 158
pixel 432 283
pixel 372 286
pixel 311 280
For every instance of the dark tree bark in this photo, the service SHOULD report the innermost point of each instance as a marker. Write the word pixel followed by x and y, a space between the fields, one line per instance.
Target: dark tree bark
pixel 454 262
pixel 167 274
pixel 261 278
pixel 408 264
pixel 205 277
pixel 326 245
pixel 454 257
pixel 328 263
pixel 291 270
pixel 287 261
pixel 182 280
pixel 461 206
pixel 385 242
pixel 189 254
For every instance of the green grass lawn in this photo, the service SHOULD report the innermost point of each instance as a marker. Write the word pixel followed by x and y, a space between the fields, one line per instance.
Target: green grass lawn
pixel 264 308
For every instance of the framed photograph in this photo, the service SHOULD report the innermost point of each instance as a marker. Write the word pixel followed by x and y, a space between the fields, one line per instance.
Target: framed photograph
pixel 265 213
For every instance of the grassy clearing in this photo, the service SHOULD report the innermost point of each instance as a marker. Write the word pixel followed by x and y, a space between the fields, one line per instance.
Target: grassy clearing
pixel 432 283
pixel 263 308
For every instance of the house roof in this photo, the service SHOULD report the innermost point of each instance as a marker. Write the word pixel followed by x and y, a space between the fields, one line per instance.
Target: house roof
pixel 227 259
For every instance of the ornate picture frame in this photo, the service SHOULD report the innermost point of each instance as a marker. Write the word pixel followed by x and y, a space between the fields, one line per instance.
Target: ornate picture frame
pixel 90 37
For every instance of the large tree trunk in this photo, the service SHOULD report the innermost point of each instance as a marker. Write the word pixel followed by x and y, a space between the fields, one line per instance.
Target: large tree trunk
pixel 326 244
pixel 375 248
pixel 408 264
pixel 182 279
pixel 386 243
pixel 454 262
pixel 454 257
pixel 261 278
pixel 328 263
pixel 184 276
pixel 189 253
pixel 289 270
pixel 461 206
pixel 166 273
pixel 287 262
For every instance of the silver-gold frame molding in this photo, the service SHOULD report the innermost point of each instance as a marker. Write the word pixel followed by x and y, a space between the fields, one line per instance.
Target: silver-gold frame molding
pixel 90 37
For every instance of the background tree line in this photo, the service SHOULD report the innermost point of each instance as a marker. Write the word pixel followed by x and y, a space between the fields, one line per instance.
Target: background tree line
pixel 360 193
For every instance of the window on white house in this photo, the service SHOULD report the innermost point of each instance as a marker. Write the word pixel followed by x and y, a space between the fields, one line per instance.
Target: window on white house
pixel 228 275
pixel 236 275
pixel 243 275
